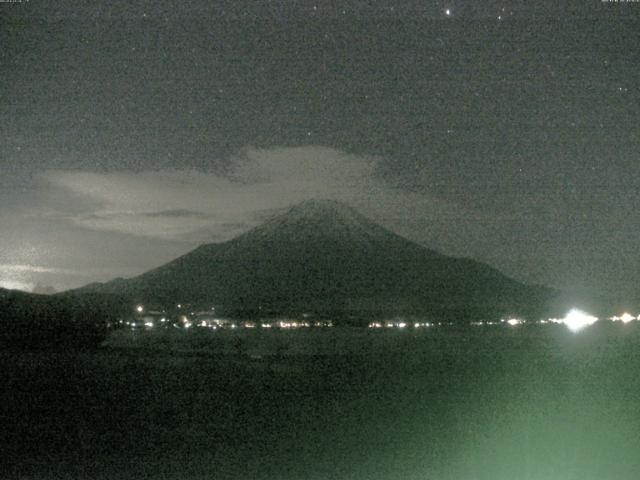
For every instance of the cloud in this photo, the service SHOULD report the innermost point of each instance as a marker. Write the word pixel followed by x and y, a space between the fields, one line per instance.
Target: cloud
pixel 176 213
pixel 21 276
pixel 9 268
pixel 197 206
pixel 17 285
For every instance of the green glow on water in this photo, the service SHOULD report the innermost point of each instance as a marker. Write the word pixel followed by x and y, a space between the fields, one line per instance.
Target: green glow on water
pixel 538 403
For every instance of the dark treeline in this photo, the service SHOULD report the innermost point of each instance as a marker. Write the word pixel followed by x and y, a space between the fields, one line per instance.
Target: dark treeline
pixel 31 321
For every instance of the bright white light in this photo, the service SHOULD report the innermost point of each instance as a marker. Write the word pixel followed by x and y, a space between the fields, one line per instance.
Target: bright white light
pixel 148 324
pixel 139 309
pixel 422 324
pixel 447 12
pixel 402 325
pixel 626 317
pixel 576 320
pixel 514 321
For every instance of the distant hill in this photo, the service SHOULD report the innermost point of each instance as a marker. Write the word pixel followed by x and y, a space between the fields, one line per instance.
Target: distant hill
pixel 323 257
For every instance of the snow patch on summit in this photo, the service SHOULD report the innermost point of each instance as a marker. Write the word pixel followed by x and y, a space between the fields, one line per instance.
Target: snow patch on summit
pixel 322 218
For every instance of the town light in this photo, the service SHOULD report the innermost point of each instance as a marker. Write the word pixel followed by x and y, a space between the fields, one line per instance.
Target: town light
pixel 576 320
pixel 626 317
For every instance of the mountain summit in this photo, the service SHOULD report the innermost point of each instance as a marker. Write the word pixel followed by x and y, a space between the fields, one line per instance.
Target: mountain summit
pixel 323 256
pixel 324 221
pixel 316 217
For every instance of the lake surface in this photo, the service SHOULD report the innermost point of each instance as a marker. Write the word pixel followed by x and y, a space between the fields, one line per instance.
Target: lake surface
pixel 526 402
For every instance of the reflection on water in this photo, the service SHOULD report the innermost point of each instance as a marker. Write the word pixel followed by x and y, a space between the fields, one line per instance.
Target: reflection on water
pixel 511 402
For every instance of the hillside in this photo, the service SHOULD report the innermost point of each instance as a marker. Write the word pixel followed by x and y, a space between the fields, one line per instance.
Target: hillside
pixel 34 321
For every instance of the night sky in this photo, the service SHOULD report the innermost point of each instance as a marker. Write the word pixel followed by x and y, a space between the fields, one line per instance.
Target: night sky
pixel 504 131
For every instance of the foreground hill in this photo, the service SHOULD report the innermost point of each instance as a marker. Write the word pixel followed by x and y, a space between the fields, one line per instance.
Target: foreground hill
pixel 42 321
pixel 323 257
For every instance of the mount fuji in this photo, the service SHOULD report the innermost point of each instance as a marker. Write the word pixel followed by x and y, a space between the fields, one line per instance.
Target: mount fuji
pixel 324 257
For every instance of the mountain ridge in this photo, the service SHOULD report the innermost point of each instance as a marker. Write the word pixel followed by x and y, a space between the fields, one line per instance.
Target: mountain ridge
pixel 324 256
